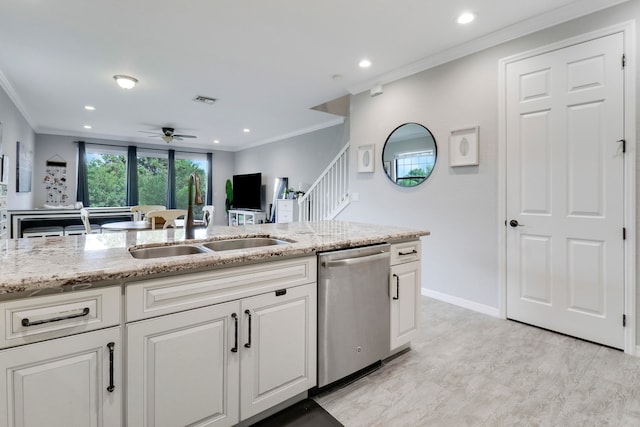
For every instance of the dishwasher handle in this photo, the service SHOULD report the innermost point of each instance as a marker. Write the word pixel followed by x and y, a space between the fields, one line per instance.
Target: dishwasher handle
pixel 356 260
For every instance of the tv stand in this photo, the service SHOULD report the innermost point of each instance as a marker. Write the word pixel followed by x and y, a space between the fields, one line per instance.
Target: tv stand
pixel 245 217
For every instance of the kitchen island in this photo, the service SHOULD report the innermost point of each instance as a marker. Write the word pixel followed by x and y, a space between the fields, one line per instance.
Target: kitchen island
pixel 30 264
pixel 93 336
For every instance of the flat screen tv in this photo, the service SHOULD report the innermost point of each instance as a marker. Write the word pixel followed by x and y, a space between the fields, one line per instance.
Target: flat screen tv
pixel 247 190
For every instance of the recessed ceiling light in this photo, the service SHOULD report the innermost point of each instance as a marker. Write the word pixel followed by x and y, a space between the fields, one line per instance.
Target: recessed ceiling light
pixel 215 141
pixel 125 82
pixel 466 17
pixel 89 107
pixel 246 130
pixel 365 63
pixel 87 126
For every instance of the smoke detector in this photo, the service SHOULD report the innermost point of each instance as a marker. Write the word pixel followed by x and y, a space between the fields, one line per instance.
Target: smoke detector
pixel 205 99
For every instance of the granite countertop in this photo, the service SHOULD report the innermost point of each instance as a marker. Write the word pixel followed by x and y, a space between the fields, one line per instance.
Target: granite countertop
pixel 31 264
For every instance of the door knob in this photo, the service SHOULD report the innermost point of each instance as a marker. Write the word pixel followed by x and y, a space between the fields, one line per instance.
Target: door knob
pixel 514 223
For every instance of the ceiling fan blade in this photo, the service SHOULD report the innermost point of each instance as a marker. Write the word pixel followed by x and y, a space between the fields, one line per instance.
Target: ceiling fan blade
pixel 146 131
pixel 185 136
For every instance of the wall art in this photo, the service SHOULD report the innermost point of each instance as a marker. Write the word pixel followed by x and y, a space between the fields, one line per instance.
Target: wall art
pixel 24 168
pixel 366 158
pixel 463 147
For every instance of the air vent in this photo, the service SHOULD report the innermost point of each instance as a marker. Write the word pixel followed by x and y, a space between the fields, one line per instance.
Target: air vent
pixel 205 99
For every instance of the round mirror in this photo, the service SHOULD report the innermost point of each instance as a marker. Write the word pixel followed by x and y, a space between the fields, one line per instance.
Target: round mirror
pixel 409 154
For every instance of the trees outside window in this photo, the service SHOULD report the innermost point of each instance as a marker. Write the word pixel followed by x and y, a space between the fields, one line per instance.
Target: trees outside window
pixel 152 177
pixel 185 165
pixel 107 171
pixel 106 177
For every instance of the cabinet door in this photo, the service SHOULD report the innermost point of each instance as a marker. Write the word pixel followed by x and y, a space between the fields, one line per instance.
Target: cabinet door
pixel 405 302
pixel 182 370
pixel 63 382
pixel 278 348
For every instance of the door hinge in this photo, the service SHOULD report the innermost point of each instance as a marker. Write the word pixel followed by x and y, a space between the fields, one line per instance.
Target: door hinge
pixel 624 60
pixel 624 233
pixel 624 320
pixel 624 145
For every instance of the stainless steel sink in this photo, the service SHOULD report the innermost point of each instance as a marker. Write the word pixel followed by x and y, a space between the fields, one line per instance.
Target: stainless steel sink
pixel 245 243
pixel 165 251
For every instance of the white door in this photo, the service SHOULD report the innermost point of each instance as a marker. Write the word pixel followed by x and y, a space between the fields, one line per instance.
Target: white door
pixel 565 190
pixel 278 348
pixel 63 382
pixel 181 369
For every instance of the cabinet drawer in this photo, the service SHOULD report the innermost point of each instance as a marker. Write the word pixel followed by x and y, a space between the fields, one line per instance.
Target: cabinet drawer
pixel 405 252
pixel 39 318
pixel 154 297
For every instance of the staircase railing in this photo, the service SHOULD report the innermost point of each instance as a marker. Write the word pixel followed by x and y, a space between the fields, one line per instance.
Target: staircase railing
pixel 330 193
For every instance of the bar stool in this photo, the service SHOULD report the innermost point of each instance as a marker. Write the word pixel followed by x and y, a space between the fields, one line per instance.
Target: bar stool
pixel 43 231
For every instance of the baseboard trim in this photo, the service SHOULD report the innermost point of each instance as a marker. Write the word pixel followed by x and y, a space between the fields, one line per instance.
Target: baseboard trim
pixel 461 302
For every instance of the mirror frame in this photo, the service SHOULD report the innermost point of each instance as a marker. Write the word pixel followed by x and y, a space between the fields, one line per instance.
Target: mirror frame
pixel 435 148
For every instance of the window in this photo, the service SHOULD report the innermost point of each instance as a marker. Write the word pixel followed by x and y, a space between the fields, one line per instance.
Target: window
pixel 107 172
pixel 186 163
pixel 106 175
pixel 152 177
pixel 413 168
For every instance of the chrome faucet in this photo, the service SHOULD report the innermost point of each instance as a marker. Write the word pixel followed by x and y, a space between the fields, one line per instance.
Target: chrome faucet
pixel 188 224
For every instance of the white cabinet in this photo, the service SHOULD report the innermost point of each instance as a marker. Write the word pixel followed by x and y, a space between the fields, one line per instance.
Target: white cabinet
pixel 225 362
pixel 242 217
pixel 405 290
pixel 182 370
pixel 278 351
pixel 286 210
pixel 65 382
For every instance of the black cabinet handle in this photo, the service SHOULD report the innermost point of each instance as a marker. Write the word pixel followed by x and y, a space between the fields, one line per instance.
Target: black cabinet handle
pixel 413 252
pixel 248 343
pixel 235 347
pixel 397 286
pixel 26 322
pixel 111 387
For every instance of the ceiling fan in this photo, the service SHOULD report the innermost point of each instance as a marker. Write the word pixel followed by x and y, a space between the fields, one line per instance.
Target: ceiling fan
pixel 168 134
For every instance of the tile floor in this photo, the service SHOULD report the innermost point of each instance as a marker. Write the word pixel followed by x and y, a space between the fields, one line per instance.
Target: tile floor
pixel 469 369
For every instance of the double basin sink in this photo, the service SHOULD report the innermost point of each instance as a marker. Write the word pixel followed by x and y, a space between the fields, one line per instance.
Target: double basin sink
pixel 208 247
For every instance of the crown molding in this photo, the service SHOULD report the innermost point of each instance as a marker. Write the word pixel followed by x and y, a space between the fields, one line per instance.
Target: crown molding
pixel 557 16
pixel 323 125
pixel 11 93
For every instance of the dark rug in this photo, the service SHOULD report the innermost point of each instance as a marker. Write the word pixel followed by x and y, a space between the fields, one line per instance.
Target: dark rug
pixel 306 413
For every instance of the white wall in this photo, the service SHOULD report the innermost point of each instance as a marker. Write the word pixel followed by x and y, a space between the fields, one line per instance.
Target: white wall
pixel 15 128
pixel 47 146
pixel 301 159
pixel 458 205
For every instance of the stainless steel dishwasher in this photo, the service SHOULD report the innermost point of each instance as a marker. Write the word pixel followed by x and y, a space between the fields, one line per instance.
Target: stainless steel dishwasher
pixel 353 310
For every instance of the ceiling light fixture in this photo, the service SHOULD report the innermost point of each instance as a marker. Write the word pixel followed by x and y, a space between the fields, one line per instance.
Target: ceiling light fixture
pixel 215 141
pixel 125 82
pixel 87 126
pixel 246 130
pixel 466 17
pixel 89 107
pixel 365 63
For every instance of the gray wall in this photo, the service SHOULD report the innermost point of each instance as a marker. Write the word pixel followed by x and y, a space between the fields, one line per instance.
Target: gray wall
pixel 301 159
pixel 48 146
pixel 15 128
pixel 459 205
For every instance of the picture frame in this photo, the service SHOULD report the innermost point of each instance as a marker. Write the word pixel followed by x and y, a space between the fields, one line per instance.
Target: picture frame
pixel 366 158
pixel 24 168
pixel 463 147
